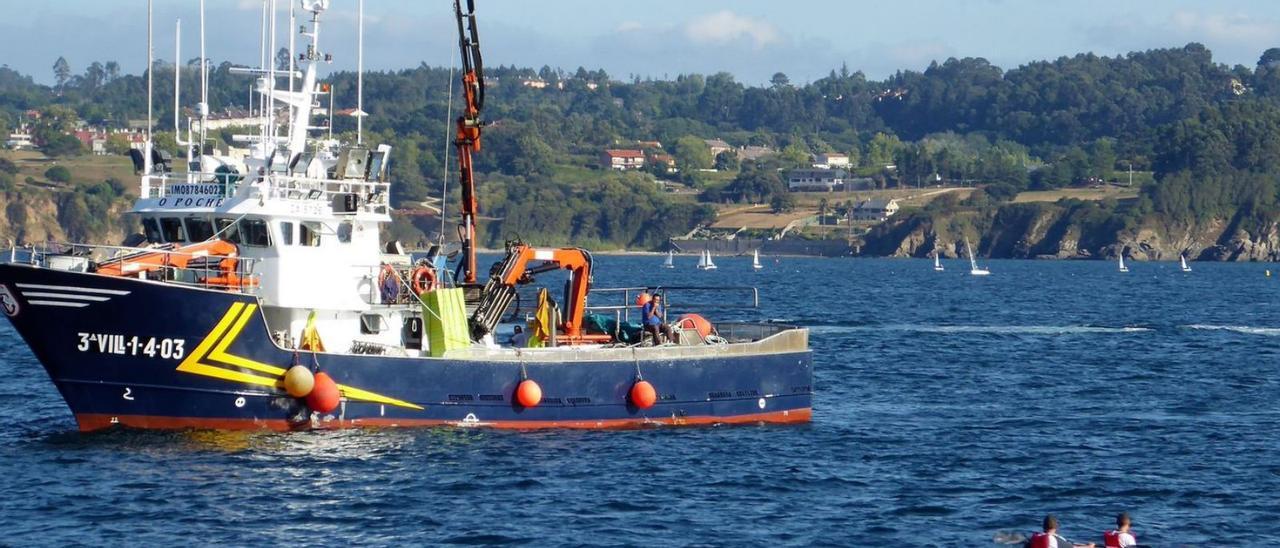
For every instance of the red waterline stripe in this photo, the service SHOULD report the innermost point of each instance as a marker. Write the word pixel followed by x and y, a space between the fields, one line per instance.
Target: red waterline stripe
pixel 93 421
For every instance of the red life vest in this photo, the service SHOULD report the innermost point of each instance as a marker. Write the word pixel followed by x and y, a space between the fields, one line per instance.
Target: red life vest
pixel 1039 540
pixel 1111 539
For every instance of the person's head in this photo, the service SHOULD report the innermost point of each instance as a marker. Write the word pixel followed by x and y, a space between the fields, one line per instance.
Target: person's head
pixel 657 298
pixel 1122 520
pixel 1050 523
pixel 519 329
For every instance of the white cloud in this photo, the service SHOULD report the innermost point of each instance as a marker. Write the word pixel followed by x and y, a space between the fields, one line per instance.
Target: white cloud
pixel 724 27
pixel 630 26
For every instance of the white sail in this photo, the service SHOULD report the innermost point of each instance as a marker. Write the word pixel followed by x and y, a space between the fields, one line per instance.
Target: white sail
pixel 1183 260
pixel 711 265
pixel 1123 268
pixel 937 262
pixel 973 263
pixel 671 260
pixel 755 259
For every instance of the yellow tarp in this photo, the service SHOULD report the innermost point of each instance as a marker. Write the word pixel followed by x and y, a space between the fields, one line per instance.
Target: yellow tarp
pixel 310 339
pixel 445 315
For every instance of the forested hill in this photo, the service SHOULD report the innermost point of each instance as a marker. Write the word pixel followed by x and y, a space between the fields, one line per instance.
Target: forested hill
pixel 1207 131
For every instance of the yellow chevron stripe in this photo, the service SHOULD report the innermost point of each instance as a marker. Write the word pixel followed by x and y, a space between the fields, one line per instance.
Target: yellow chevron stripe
pixel 214 346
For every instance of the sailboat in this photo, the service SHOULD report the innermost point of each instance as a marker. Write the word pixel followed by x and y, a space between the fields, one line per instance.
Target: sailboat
pixel 1123 268
pixel 1183 259
pixel 937 263
pixel 671 260
pixel 755 259
pixel 705 262
pixel 974 270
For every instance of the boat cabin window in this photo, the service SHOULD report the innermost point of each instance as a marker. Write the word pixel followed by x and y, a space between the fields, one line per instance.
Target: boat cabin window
pixel 286 233
pixel 227 230
pixel 344 232
pixel 247 232
pixel 171 229
pixel 254 232
pixel 309 234
pixel 199 230
pixel 152 230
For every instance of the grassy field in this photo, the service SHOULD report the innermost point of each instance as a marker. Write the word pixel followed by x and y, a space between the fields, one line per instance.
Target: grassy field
pixel 84 169
pixel 1100 193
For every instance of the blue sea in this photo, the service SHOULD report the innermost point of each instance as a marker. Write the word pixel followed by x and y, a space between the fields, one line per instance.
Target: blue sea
pixel 950 411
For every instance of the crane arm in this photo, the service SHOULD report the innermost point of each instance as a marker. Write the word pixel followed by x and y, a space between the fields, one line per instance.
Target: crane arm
pixel 467 139
pixel 520 267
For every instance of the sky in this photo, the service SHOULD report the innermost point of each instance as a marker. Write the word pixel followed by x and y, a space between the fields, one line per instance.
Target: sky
pixel 752 39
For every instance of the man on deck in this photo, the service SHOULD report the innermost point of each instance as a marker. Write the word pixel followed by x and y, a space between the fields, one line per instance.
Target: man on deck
pixel 651 316
pixel 1050 538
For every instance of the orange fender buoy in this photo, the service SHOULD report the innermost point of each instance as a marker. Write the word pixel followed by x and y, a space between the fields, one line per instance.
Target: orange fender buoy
pixel 643 395
pixel 298 381
pixel 324 396
pixel 528 393
pixel 643 298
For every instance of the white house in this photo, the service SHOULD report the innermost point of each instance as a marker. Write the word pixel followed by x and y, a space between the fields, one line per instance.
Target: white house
pixel 830 160
pixel 815 179
pixel 875 210
pixel 622 159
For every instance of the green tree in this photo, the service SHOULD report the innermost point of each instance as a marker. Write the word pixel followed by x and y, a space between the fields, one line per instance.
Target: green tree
pixel 779 80
pixel 61 72
pixel 58 174
pixel 118 144
pixel 782 202
pixel 882 150
pixel 727 161
pixel 61 145
pixel 692 153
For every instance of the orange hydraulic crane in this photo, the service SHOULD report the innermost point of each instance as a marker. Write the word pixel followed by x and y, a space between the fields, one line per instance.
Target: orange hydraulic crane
pixel 468 135
pixel 519 268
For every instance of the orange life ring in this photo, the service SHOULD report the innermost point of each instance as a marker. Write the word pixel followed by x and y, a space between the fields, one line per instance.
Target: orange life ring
pixel 423 279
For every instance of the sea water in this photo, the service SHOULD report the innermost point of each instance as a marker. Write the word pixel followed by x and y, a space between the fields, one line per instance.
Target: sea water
pixel 949 410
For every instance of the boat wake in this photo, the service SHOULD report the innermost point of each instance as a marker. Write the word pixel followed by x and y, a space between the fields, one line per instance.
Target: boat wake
pixel 1244 329
pixel 1044 330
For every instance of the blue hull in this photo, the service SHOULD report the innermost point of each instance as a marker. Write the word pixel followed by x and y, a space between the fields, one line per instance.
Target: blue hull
pixel 151 355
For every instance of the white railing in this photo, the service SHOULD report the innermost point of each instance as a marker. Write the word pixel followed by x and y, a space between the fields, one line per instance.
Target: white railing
pixel 208 271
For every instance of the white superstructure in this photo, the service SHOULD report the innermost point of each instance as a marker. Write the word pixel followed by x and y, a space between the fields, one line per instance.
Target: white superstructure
pixel 306 210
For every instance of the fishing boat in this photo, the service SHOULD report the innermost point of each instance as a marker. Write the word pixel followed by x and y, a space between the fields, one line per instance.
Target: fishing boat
pixel 1182 261
pixel 1120 257
pixel 671 260
pixel 264 298
pixel 705 262
pixel 937 263
pixel 755 259
pixel 974 269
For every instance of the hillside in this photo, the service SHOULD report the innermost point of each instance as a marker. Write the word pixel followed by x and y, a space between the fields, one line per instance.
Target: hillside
pixel 1051 134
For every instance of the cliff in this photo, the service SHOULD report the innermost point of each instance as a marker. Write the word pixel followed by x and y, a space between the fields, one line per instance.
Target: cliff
pixel 33 216
pixel 1076 230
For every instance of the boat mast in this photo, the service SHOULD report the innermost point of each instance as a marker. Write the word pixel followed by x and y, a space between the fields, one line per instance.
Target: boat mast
pixel 468 135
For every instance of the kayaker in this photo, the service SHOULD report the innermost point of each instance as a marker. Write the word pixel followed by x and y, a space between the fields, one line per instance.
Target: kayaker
pixel 1121 536
pixel 1049 538
pixel 651 317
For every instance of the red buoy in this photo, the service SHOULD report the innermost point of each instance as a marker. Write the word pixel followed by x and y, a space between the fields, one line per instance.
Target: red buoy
pixel 643 395
pixel 528 393
pixel 324 395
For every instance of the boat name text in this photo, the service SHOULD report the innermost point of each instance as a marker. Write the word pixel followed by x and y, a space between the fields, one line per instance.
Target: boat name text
pixel 125 345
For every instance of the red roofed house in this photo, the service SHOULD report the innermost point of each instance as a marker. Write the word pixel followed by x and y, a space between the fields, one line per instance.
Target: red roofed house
pixel 622 159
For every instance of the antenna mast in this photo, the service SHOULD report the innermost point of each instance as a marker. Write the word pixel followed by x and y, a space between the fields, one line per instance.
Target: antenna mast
pixel 147 160
pixel 359 114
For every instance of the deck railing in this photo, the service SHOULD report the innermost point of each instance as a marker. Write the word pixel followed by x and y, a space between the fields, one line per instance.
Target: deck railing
pixel 200 270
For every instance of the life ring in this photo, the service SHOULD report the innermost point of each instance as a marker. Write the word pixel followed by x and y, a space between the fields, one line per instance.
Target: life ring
pixel 423 279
